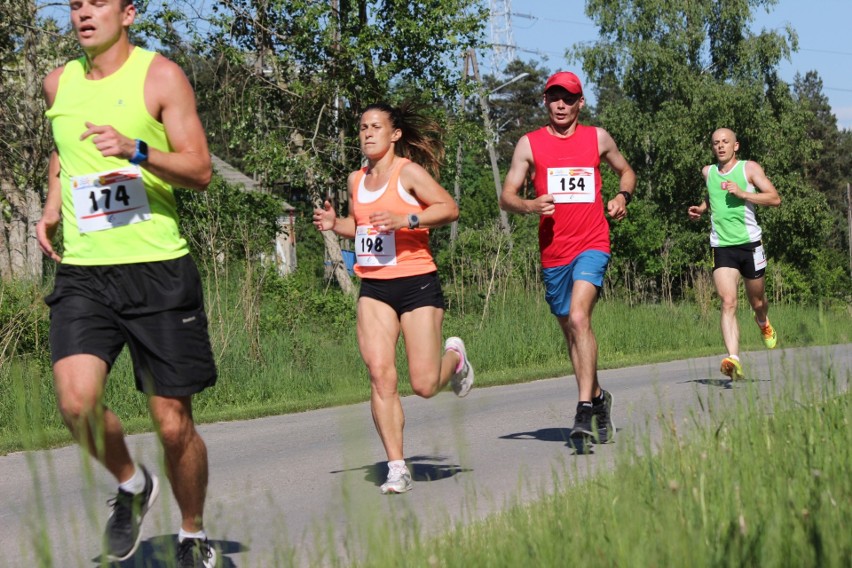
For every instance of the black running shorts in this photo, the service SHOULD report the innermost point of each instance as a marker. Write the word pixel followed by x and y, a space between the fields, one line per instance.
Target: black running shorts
pixel 749 259
pixel 405 294
pixel 155 308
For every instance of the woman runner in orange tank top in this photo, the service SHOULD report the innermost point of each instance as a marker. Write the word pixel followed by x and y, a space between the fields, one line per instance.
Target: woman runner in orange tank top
pixel 393 202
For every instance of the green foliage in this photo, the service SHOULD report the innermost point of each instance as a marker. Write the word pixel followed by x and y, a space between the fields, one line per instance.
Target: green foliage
pixel 279 79
pixel 690 499
pixel 226 221
pixel 24 321
pixel 668 75
pixel 296 300
pixel 798 229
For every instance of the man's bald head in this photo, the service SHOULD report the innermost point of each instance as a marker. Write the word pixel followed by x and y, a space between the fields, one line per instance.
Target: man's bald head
pixel 724 132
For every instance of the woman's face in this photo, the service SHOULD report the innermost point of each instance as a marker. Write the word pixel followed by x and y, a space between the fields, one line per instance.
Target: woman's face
pixel 377 134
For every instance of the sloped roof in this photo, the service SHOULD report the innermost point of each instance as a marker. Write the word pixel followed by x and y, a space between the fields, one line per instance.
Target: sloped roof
pixel 232 175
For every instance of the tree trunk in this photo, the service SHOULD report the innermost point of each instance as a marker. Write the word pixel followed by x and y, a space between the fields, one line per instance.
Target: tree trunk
pixel 335 255
pixel 23 158
pixel 5 265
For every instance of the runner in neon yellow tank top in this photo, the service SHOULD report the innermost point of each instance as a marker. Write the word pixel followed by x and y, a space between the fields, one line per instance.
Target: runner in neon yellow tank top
pixel 126 130
pixel 734 187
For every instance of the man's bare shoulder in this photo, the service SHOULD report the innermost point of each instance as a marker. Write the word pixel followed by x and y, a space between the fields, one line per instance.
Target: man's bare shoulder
pixel 51 84
pixel 164 71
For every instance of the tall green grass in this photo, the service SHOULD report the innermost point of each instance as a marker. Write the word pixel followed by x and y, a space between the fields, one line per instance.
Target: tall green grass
pixel 763 483
pixel 283 347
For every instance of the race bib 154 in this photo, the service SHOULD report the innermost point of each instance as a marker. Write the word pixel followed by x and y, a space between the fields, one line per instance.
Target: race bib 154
pixel 571 185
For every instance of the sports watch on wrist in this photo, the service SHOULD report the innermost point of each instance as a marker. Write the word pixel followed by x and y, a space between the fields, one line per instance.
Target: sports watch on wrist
pixel 141 153
pixel 628 197
pixel 413 221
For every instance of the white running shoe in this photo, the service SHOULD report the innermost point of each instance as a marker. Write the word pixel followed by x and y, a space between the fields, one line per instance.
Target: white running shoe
pixel 462 380
pixel 399 481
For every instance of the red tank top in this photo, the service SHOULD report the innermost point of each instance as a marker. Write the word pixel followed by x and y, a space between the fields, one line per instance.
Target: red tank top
pixel 570 169
pixel 404 252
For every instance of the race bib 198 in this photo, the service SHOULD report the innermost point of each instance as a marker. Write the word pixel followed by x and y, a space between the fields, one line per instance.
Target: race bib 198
pixel 571 185
pixel 374 247
pixel 110 199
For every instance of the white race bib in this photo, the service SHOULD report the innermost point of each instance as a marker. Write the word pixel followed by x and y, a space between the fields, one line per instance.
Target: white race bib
pixel 110 199
pixel 759 258
pixel 374 247
pixel 571 185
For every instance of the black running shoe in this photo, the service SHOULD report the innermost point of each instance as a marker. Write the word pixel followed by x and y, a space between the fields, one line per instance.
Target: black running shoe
pixel 583 422
pixel 603 417
pixel 196 553
pixel 123 526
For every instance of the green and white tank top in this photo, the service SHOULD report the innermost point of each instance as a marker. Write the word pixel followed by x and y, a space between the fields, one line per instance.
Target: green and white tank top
pixel 112 212
pixel 732 219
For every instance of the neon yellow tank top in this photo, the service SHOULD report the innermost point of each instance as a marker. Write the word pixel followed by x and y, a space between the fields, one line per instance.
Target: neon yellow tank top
pixel 119 101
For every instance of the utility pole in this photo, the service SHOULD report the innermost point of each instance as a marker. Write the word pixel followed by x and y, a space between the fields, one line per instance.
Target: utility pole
pixel 489 139
pixel 454 228
pixel 849 223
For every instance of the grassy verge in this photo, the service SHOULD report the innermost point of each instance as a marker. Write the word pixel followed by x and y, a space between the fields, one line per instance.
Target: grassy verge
pixel 290 363
pixel 752 487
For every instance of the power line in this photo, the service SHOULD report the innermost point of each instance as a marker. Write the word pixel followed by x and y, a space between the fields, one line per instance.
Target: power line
pixel 826 51
pixel 531 17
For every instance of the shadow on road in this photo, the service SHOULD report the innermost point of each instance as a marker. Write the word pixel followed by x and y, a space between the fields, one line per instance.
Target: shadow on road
pixel 161 551
pixel 422 468
pixel 580 447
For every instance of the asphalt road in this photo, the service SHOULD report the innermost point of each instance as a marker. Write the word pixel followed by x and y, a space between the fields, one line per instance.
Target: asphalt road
pixel 285 483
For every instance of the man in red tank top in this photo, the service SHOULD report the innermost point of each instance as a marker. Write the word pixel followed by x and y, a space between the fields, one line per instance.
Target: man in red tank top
pixel 563 160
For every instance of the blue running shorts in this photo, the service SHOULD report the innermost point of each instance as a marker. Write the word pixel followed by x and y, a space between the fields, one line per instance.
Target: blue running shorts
pixel 559 281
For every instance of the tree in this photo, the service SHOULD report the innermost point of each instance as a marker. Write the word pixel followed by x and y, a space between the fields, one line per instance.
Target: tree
pixel 516 108
pixel 281 83
pixel 29 47
pixel 668 75
pixel 830 169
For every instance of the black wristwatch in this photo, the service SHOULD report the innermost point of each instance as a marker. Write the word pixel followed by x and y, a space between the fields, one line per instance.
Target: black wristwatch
pixel 413 221
pixel 141 153
pixel 628 197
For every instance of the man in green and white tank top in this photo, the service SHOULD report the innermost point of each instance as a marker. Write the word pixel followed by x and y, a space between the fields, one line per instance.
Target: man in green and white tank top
pixel 734 187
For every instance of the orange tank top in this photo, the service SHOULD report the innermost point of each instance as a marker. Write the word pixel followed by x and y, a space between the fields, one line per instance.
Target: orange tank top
pixel 388 254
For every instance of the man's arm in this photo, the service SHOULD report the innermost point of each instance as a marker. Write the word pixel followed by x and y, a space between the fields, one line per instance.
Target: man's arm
pixel 169 98
pixel 52 210
pixel 766 195
pixel 696 211
pixel 617 206
pixel 510 200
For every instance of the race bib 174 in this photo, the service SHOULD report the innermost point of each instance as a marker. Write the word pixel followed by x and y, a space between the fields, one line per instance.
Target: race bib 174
pixel 110 199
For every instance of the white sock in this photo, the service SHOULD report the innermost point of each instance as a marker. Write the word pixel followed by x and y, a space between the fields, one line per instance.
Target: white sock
pixel 136 484
pixel 396 464
pixel 737 357
pixel 183 535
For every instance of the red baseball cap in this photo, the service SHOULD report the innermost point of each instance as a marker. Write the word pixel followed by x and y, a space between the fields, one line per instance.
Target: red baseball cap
pixel 567 81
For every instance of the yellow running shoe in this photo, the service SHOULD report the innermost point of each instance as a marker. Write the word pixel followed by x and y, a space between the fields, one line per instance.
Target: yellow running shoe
pixel 732 368
pixel 770 338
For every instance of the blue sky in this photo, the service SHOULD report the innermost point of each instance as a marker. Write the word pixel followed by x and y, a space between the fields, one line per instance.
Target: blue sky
pixel 546 28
